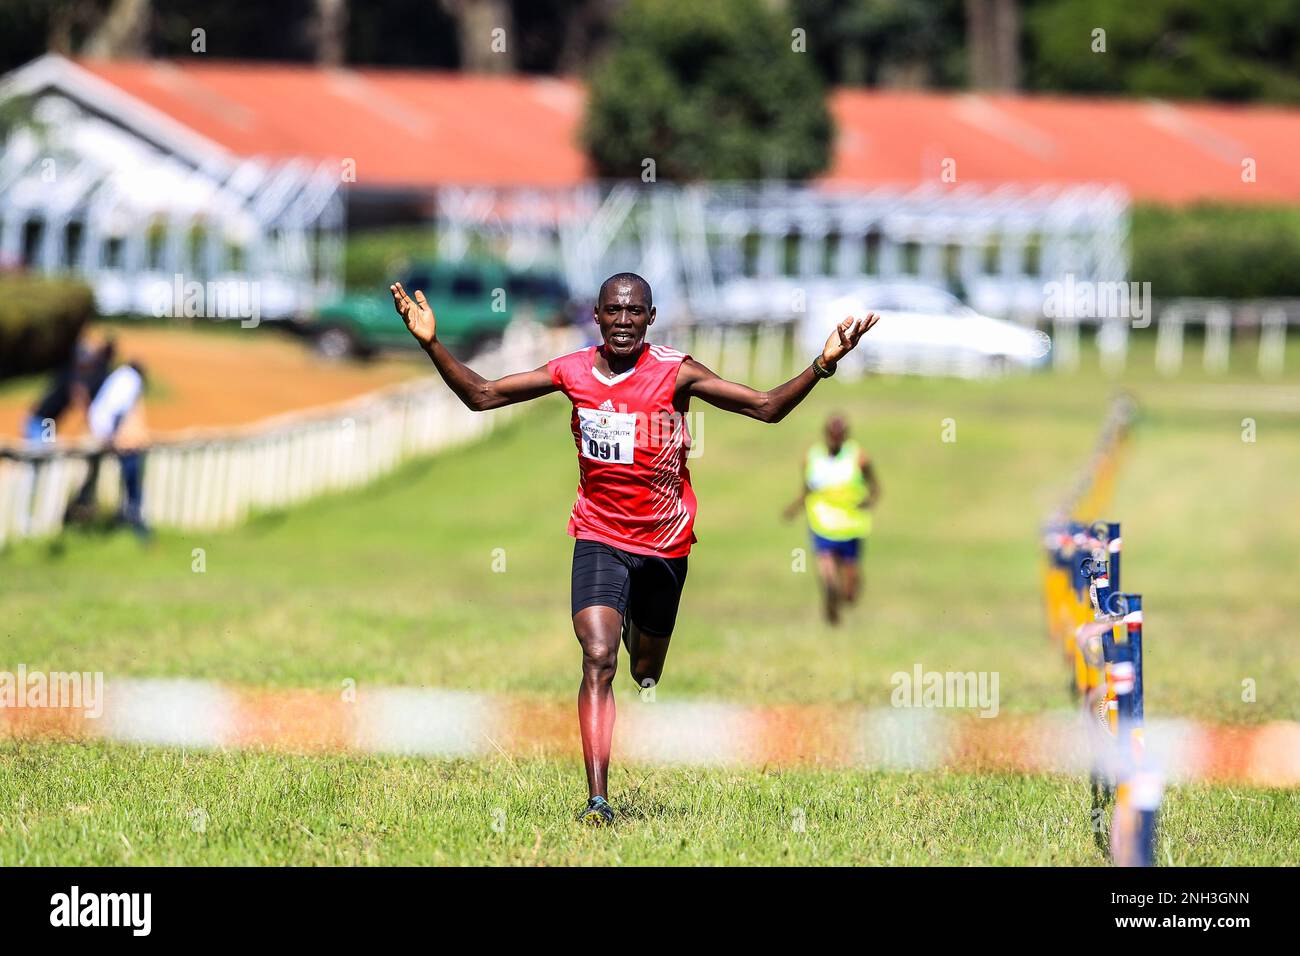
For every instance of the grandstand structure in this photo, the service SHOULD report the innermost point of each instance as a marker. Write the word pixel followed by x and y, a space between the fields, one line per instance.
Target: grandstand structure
pixel 763 251
pixel 130 206
pixel 991 195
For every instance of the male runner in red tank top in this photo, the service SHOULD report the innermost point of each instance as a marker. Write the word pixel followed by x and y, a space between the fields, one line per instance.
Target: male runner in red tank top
pixel 635 509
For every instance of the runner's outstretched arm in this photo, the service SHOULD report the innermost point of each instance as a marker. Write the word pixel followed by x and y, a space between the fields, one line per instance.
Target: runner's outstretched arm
pixel 478 393
pixel 770 406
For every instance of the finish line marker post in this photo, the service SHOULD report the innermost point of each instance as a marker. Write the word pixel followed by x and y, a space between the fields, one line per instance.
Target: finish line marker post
pixel 1111 646
pixel 1099 626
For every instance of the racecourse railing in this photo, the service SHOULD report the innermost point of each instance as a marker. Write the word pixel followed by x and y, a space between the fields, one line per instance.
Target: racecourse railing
pixel 1256 326
pixel 1099 628
pixel 767 352
pixel 212 479
pixel 762 350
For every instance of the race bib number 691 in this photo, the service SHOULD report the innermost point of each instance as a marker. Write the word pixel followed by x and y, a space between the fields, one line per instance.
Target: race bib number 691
pixel 607 436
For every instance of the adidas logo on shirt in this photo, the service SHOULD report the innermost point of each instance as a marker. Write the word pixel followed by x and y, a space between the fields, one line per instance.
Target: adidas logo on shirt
pixel 607 406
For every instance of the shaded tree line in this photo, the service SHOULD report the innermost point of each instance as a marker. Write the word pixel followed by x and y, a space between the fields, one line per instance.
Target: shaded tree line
pixel 1217 49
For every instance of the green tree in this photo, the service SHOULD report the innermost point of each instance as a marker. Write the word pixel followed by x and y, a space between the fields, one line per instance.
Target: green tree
pixel 898 43
pixel 1182 49
pixel 717 90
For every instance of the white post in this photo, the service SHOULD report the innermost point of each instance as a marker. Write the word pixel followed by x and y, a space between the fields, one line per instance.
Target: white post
pixel 1272 341
pixel 1112 344
pixel 851 256
pixel 1218 330
pixel 812 250
pixel 1065 344
pixel 770 251
pixel 890 262
pixel 6 493
pixel 206 492
pixel 1169 341
pixel 108 489
pixel 156 477
pixel 190 478
pixel 39 507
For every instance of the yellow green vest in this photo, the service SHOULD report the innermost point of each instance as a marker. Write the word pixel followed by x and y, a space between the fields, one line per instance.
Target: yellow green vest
pixel 836 490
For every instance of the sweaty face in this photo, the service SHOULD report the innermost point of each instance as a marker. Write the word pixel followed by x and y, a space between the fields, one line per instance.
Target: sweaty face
pixel 623 316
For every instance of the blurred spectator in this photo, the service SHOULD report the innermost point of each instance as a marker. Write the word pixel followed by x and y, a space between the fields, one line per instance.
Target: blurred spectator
pixel 117 419
pixel 75 385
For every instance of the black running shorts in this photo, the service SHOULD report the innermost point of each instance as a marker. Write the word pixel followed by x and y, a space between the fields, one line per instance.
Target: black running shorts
pixel 643 587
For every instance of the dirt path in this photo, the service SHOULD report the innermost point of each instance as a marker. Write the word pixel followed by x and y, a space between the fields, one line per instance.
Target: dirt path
pixel 207 377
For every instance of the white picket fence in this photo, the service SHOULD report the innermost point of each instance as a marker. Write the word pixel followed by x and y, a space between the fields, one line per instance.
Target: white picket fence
pixel 215 479
pixel 1257 325
pixel 764 352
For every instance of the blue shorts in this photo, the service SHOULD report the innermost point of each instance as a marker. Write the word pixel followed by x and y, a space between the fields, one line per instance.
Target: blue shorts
pixel 845 550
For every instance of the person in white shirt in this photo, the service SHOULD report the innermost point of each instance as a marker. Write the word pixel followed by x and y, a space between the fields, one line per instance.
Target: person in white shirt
pixel 116 418
pixel 115 398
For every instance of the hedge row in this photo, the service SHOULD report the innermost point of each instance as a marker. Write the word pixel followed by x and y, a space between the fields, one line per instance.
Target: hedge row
pixel 376 258
pixel 1235 252
pixel 40 320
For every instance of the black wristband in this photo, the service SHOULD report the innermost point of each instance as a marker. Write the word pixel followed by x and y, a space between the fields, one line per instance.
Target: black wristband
pixel 820 370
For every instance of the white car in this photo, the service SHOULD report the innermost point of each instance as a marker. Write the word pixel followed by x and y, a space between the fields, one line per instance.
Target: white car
pixel 926 330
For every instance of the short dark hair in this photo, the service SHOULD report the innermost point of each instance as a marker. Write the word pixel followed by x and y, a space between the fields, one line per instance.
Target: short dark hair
pixel 626 277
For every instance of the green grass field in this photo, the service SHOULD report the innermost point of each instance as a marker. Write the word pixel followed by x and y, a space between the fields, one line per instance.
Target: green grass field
pixel 395 585
pixel 117 805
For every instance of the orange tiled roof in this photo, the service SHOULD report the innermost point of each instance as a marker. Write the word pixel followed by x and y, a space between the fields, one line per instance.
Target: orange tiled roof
pixel 402 127
pixel 1166 152
pixel 421 128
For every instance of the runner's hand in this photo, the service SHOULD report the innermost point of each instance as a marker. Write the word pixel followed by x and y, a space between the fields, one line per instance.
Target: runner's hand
pixel 846 336
pixel 416 313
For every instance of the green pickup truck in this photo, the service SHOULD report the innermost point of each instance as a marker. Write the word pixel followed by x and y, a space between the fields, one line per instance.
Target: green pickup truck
pixel 473 301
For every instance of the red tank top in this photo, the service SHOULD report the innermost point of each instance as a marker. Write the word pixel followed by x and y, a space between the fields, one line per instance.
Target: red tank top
pixel 634 491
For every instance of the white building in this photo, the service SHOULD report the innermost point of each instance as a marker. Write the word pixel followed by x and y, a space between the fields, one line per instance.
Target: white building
pixel 97 182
